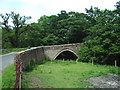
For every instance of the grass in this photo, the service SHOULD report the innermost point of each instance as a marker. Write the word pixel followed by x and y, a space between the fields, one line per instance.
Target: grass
pixel 12 50
pixel 67 74
pixel 8 77
pixel 0 80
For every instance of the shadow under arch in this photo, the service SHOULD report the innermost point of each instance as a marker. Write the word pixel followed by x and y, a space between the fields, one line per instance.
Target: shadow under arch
pixel 66 54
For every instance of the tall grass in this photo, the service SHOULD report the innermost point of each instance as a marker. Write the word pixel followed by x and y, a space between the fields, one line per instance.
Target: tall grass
pixel 0 80
pixel 31 65
pixel 8 77
pixel 56 74
pixel 64 74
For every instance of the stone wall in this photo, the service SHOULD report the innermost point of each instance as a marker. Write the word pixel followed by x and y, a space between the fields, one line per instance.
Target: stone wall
pixel 52 51
pixel 26 56
pixel 40 53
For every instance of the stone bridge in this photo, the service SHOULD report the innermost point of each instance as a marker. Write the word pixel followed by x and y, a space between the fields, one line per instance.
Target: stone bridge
pixel 52 52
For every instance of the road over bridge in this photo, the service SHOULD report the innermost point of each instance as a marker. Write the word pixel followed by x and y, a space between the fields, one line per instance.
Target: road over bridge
pixel 64 51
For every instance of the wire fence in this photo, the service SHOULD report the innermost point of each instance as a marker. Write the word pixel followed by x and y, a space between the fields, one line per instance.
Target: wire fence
pixel 18 75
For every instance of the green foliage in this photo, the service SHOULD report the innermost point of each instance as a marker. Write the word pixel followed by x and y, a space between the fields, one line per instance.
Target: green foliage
pixel 9 77
pixel 0 80
pixel 74 25
pixel 66 27
pixel 67 74
pixel 83 54
pixel 11 34
pixel 0 41
pixel 98 29
pixel 31 65
pixel 102 42
pixel 6 51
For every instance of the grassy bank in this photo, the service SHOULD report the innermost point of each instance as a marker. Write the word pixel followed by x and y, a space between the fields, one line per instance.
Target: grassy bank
pixel 67 74
pixel 8 77
pixel 6 51
pixel 0 81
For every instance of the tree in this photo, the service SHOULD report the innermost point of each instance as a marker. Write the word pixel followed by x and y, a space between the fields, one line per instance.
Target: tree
pixel 33 36
pixel 103 41
pixel 11 33
pixel 75 26
pixel 117 8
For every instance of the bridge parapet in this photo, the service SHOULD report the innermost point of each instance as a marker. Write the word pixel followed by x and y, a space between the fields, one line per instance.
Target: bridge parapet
pixel 26 56
pixel 42 52
pixel 52 51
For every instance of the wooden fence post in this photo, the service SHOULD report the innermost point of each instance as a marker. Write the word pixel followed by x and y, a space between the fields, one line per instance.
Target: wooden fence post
pixel 20 75
pixel 115 63
pixel 92 62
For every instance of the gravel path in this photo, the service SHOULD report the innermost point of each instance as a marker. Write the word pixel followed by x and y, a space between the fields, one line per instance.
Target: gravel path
pixel 110 81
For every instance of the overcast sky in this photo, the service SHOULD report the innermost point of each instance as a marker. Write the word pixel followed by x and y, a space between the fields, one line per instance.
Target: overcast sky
pixel 37 8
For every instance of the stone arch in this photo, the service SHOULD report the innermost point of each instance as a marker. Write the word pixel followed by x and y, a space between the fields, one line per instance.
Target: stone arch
pixel 64 51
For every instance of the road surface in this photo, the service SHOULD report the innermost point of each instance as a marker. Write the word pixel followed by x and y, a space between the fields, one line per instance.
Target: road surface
pixel 6 60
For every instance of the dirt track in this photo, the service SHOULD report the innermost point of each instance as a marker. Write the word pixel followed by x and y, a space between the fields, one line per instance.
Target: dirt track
pixel 110 81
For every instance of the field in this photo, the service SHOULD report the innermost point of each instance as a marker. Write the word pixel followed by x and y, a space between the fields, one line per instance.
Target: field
pixel 57 74
pixel 0 80
pixel 8 77
pixel 64 74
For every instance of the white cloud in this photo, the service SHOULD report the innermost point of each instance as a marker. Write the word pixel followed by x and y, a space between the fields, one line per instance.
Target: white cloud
pixel 37 8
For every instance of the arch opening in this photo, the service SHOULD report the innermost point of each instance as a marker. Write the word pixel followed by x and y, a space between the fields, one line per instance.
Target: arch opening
pixel 66 55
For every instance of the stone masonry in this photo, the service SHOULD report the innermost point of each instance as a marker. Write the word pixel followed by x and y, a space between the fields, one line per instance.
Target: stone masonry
pixel 42 52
